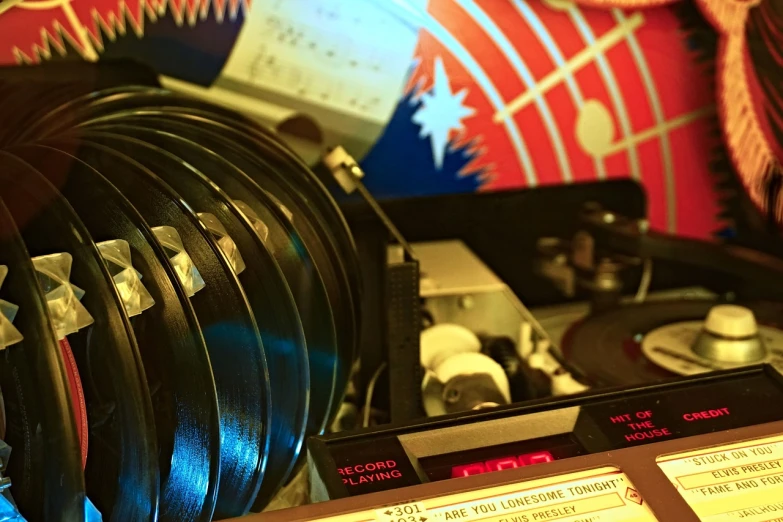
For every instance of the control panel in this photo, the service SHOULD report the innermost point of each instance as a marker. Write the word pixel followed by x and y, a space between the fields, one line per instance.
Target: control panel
pixel 519 436
pixel 698 449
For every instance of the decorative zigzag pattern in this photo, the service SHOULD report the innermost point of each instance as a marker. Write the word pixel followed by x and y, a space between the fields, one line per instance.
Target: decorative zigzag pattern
pixel 51 40
pixel 478 165
pixel 109 20
pixel 114 24
pixel 473 148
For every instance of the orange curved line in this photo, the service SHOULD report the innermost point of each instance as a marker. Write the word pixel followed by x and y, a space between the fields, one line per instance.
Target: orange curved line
pixel 42 5
pixel 623 4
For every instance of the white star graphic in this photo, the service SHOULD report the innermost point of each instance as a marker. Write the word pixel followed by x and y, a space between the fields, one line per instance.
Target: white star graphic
pixel 441 112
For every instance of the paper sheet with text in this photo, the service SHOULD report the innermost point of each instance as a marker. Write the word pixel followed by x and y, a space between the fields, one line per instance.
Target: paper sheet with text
pixel 605 495
pixel 732 483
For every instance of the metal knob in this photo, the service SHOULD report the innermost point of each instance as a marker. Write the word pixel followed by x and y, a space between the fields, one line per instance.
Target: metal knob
pixel 730 335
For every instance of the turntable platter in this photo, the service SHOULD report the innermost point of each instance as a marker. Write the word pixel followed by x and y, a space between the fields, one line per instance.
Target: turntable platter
pixel 607 347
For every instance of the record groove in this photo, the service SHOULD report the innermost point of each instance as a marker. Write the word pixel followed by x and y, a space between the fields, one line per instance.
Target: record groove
pixel 224 383
pixel 227 323
pixel 122 473
pixel 280 172
pixel 45 466
pixel 306 287
pixel 306 221
pixel 172 348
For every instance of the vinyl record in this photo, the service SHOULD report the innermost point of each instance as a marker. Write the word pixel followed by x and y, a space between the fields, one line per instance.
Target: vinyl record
pixel 173 350
pixel 53 118
pixel 606 347
pixel 294 177
pixel 288 250
pixel 124 98
pixel 302 290
pixel 23 107
pixel 283 174
pixel 285 165
pixel 80 76
pixel 12 101
pixel 122 476
pixel 45 466
pixel 27 94
pixel 227 323
pixel 304 219
pixel 267 291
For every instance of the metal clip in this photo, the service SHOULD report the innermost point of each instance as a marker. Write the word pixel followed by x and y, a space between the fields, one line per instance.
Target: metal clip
pixel 349 174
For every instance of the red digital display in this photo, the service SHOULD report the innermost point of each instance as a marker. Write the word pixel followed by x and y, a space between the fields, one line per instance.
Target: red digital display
pixel 497 458
pixel 510 462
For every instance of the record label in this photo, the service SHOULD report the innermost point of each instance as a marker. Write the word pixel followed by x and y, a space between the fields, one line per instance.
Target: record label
pixel 77 398
pixel 741 481
pixel 670 347
pixel 606 494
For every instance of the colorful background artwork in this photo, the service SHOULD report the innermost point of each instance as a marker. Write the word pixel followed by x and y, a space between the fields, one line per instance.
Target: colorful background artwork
pixel 750 93
pixel 435 96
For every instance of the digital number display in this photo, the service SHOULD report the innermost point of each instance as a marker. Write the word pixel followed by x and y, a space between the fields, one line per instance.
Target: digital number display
pixel 499 458
pixel 379 460
pixel 511 462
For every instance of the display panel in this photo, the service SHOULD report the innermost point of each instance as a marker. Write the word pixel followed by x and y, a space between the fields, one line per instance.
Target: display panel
pixel 672 414
pixel 377 461
pixel 499 458
pixel 742 481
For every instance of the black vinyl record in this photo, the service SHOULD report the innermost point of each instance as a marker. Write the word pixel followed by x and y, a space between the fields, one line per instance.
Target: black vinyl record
pixel 173 350
pixel 11 98
pixel 37 98
pixel 286 167
pixel 289 253
pixel 45 466
pixel 268 293
pixel 295 185
pixel 307 223
pixel 280 335
pixel 28 94
pixel 278 170
pixel 124 98
pixel 121 476
pixel 606 347
pixel 227 323
pixel 50 119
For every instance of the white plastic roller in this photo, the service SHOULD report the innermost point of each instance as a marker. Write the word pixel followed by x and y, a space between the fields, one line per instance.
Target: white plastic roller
pixel 442 341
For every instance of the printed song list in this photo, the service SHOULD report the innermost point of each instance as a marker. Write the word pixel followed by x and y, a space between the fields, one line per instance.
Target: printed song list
pixel 605 494
pixel 739 482
pixel 597 495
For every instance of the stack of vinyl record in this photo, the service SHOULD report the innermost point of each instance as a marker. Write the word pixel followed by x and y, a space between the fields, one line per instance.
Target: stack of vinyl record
pixel 179 308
